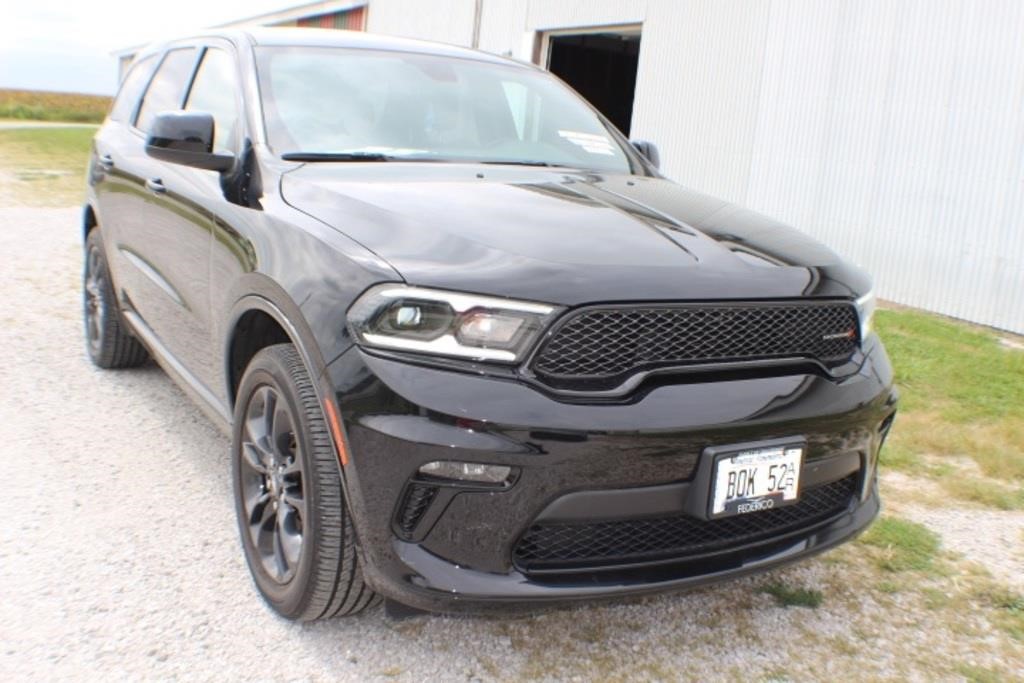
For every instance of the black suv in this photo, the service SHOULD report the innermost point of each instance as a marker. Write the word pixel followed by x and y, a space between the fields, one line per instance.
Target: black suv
pixel 471 348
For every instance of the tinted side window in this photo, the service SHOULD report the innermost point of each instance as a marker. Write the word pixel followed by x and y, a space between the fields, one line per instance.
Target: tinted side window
pixel 214 91
pixel 131 89
pixel 167 89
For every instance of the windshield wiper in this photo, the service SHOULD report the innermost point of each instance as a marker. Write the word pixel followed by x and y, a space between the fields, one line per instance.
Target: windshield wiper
pixel 336 156
pixel 379 156
pixel 522 162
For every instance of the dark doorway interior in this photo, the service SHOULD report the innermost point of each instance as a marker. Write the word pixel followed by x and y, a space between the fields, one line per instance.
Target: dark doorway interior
pixel 602 68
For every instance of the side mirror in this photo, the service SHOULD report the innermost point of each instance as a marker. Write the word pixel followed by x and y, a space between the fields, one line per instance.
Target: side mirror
pixel 186 138
pixel 649 150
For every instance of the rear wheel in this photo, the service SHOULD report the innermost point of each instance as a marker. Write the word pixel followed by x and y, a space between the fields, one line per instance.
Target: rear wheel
pixel 295 528
pixel 108 341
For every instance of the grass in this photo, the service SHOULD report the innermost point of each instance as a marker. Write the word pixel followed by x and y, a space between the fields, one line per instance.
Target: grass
pixel 36 105
pixel 959 370
pixel 44 166
pixel 962 400
pixel 902 545
pixel 786 596
pixel 978 674
pixel 986 493
pixel 1009 608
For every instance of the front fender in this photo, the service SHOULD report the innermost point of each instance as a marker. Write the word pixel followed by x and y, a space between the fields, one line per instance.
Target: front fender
pixel 268 297
pixel 306 271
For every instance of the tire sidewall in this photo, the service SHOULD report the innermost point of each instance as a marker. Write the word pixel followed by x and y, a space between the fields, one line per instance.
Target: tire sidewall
pixel 115 346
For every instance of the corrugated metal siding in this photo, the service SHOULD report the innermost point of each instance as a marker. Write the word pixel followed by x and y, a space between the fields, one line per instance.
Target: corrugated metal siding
pixel 446 21
pixel 503 26
pixel 547 15
pixel 697 84
pixel 349 20
pixel 352 20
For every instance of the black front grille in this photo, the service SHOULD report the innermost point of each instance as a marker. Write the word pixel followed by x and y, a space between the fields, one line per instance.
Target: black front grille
pixel 602 343
pixel 610 543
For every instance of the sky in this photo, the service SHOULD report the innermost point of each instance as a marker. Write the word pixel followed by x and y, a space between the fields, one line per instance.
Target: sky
pixel 66 46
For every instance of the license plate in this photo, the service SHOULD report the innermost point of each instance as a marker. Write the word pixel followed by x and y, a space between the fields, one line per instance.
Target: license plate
pixel 756 479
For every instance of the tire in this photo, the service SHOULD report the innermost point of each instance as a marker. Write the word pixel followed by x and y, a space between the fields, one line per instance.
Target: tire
pixel 106 337
pixel 287 487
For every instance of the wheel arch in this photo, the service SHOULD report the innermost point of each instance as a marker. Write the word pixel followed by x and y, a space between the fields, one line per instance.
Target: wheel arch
pixel 257 321
pixel 89 221
pixel 254 330
pixel 288 321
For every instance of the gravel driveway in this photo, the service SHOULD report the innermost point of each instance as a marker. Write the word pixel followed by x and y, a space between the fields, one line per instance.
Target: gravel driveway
pixel 119 556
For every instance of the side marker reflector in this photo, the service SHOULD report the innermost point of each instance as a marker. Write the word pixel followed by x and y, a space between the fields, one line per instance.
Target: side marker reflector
pixel 335 424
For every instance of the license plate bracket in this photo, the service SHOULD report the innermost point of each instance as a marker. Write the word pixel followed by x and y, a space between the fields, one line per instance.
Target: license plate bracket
pixel 752 478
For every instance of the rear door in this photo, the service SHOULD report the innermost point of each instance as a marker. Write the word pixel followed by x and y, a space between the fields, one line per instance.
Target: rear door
pixel 115 144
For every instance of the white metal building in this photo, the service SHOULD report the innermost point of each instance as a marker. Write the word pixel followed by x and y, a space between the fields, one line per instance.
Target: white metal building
pixel 892 130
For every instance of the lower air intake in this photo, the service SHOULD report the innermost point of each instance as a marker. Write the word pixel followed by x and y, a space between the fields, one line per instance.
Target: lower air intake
pixel 556 546
pixel 417 499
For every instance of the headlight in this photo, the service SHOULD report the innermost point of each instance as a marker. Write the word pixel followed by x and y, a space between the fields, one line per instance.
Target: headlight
pixel 866 313
pixel 393 316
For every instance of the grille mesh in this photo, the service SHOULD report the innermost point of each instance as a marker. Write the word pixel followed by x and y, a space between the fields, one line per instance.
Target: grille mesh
pixel 563 546
pixel 603 343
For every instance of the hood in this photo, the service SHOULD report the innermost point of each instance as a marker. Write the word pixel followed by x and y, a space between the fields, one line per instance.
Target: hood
pixel 564 237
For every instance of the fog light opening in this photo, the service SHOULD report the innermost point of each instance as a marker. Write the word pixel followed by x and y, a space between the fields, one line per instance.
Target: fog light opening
pixel 474 472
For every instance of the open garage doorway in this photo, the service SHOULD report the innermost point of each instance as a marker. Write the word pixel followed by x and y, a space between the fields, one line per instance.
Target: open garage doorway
pixel 601 65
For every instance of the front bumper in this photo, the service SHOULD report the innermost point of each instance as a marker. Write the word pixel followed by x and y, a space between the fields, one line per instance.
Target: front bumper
pixel 638 459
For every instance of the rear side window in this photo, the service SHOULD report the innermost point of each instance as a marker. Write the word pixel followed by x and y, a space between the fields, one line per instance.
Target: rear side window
pixel 131 89
pixel 215 91
pixel 167 89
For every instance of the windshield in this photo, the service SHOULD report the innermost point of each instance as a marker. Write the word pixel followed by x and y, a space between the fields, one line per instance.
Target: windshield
pixel 352 105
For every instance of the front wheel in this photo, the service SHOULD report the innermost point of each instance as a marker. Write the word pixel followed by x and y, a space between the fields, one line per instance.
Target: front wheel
pixel 295 528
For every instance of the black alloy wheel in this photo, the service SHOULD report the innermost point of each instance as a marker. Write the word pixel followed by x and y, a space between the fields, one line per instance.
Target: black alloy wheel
pixel 295 529
pixel 95 307
pixel 106 337
pixel 272 486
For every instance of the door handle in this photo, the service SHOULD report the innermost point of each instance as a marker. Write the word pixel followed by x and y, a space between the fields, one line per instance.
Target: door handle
pixel 155 185
pixel 106 161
